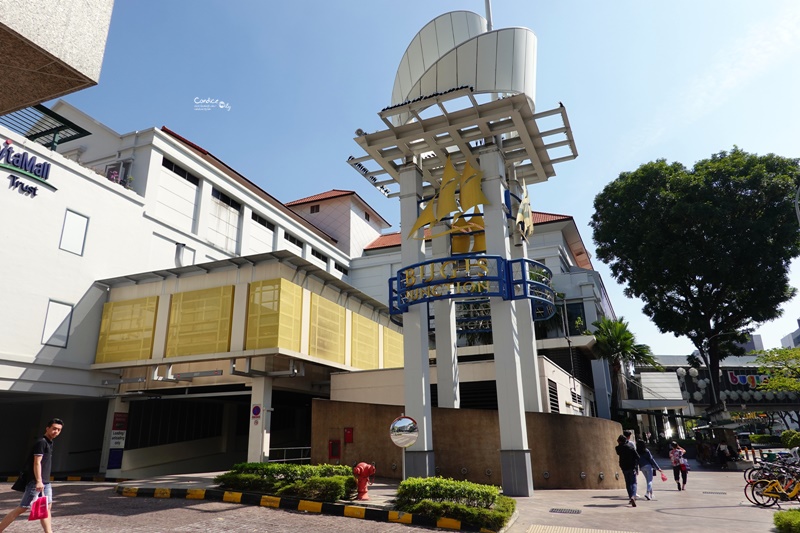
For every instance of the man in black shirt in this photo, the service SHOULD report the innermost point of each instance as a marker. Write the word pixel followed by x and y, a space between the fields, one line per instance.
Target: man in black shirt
pixel 628 463
pixel 37 472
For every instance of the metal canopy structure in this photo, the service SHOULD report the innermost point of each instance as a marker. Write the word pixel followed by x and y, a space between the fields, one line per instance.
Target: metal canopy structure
pixel 460 134
pixel 43 125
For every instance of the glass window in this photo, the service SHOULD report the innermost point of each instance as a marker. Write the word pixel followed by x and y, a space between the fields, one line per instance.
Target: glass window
pixel 73 234
pixel 56 324
pixel 574 313
pixel 314 209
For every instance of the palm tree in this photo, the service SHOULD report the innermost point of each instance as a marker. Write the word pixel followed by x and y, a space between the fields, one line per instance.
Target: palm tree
pixel 616 343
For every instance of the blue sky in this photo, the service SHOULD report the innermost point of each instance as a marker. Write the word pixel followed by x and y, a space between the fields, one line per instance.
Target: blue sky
pixel 677 80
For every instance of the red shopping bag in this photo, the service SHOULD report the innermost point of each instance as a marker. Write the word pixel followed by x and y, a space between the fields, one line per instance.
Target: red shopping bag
pixel 663 476
pixel 39 508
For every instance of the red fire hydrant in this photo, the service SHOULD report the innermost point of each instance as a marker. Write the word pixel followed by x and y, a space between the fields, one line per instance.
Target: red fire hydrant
pixel 363 471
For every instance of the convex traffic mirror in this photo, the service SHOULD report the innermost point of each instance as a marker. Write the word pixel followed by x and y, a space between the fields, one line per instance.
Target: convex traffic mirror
pixel 404 431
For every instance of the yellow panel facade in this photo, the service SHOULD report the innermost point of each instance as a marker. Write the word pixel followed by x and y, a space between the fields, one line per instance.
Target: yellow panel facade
pixel 200 322
pixel 327 330
pixel 365 343
pixel 392 349
pixel 126 330
pixel 274 315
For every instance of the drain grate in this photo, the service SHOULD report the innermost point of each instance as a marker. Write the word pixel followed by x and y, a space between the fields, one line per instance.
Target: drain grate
pixel 712 492
pixel 565 511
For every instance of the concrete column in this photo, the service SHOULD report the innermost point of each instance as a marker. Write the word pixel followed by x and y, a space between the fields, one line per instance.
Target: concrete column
pixel 245 223
pixel 515 458
pixel 261 401
pixel 419 458
pixel 528 354
pixel 278 242
pixel 202 210
pixel 162 326
pixel 111 459
pixel 444 312
pixel 239 316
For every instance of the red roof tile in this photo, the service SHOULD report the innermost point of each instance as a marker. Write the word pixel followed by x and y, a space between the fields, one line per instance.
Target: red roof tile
pixel 333 193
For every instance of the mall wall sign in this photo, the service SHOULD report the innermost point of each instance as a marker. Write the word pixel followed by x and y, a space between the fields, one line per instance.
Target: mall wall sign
pixel 752 380
pixel 24 167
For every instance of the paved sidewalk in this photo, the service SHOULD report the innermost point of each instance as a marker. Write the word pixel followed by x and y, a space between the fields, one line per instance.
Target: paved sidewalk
pixel 714 501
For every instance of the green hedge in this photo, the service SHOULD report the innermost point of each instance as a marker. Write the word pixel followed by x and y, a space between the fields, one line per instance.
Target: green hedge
pixel 435 497
pixel 327 483
pixel 787 521
pixel 765 439
pixel 790 438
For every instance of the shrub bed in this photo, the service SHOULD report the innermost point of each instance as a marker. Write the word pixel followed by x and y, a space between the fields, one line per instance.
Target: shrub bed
pixel 327 483
pixel 787 521
pixel 765 439
pixel 435 497
pixel 790 438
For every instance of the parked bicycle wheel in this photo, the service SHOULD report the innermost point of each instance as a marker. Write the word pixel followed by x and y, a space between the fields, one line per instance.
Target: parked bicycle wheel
pixel 756 493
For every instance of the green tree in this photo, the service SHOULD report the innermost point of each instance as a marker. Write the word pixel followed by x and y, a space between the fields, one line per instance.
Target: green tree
pixel 616 343
pixel 782 365
pixel 707 249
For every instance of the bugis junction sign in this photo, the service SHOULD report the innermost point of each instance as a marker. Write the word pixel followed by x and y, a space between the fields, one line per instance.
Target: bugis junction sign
pixel 473 276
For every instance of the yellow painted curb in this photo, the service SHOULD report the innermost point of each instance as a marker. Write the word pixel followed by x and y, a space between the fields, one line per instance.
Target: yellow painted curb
pixel 400 517
pixel 448 523
pixel 312 507
pixel 162 493
pixel 354 511
pixel 232 497
pixel 270 501
pixel 195 494
pixel 130 491
pixel 73 478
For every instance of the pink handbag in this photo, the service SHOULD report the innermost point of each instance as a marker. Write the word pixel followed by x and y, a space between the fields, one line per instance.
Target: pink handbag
pixel 39 508
pixel 663 476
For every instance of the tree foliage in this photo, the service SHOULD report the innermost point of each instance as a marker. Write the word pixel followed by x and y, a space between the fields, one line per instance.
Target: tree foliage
pixel 706 249
pixel 782 365
pixel 616 343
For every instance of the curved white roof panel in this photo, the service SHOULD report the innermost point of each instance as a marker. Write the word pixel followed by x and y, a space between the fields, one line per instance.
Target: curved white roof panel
pixel 455 50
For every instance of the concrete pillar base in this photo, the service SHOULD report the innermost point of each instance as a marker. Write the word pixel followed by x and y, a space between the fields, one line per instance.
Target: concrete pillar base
pixel 420 464
pixel 515 466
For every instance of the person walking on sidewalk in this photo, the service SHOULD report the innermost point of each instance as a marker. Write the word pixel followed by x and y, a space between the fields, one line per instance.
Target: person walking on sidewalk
pixel 647 465
pixel 679 464
pixel 628 463
pixel 37 472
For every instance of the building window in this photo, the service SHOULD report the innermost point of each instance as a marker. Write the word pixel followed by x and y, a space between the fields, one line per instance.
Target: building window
pixel 575 312
pixel 552 392
pixel 73 234
pixel 340 268
pixel 56 324
pixel 119 172
pixel 225 199
pixel 292 239
pixel 180 171
pixel 314 209
pixel 322 257
pixel 576 398
pixel 366 217
pixel 263 221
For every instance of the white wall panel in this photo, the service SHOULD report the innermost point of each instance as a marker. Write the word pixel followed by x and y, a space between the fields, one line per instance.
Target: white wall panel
pixel 444 33
pixel 430 46
pixel 505 60
pixel 487 62
pixel 415 62
pixel 466 62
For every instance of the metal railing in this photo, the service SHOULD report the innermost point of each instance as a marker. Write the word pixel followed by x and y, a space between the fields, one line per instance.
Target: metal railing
pixel 299 455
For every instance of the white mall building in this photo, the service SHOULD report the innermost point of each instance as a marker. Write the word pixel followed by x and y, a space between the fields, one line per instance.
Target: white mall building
pixel 82 240
pixel 179 318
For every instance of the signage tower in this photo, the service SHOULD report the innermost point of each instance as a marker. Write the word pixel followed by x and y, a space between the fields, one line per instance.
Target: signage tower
pixel 461 144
